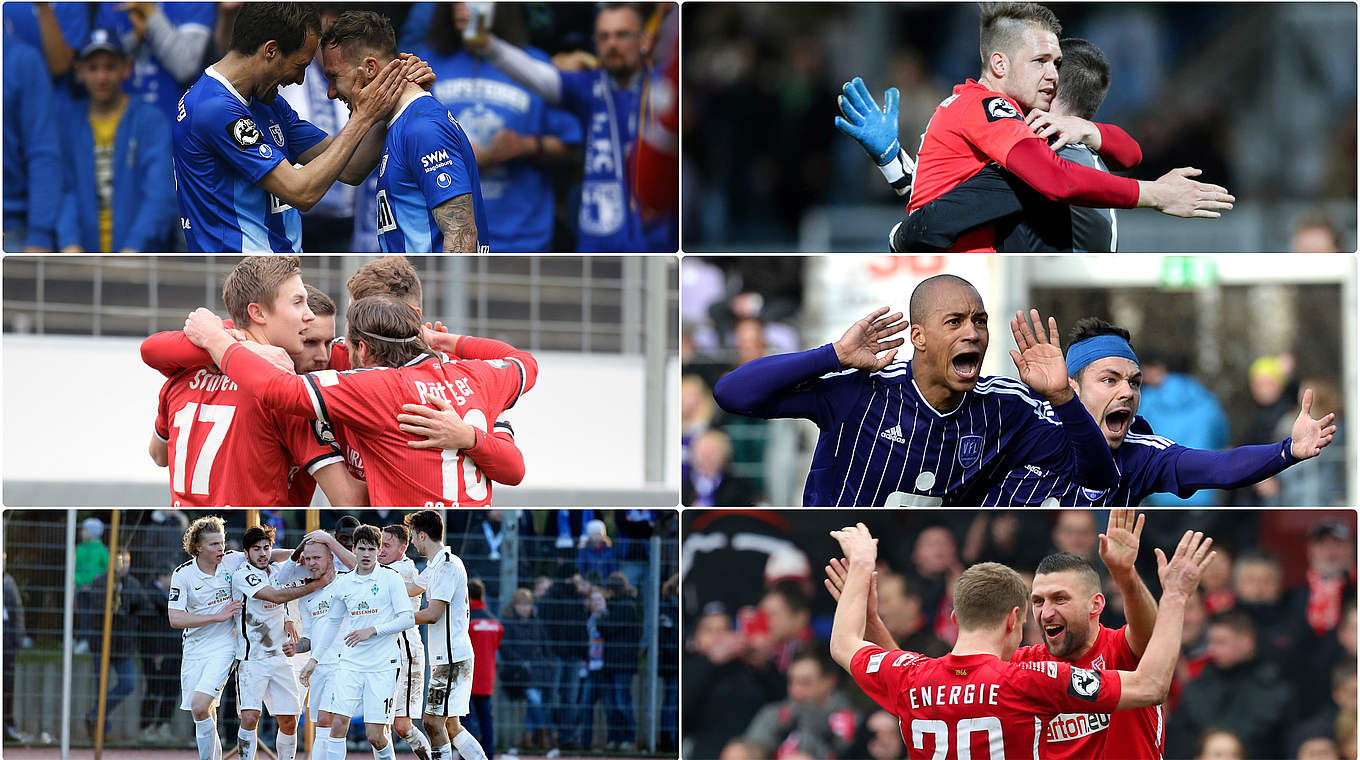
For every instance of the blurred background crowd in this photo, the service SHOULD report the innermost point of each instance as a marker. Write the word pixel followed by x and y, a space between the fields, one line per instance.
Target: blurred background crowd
pixel 563 636
pixel 1268 656
pixel 1213 376
pixel 90 93
pixel 1259 96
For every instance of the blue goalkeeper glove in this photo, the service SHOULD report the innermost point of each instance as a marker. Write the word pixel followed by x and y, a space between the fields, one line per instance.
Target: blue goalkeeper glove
pixel 874 130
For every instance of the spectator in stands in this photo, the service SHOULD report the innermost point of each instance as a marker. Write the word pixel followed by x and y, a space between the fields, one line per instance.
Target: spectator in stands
pixel 58 28
pixel 167 42
pixel 1323 720
pixel 1323 481
pixel 596 552
pixel 668 663
pixel 92 560
pixel 32 159
pixel 1075 532
pixel 594 686
pixel 1217 744
pixel 1315 232
pixel 899 605
pixel 564 617
pixel 786 611
pixel 567 528
pixel 696 417
pixel 1318 747
pixel 482 551
pixel 120 184
pixel 1335 647
pixel 634 528
pixel 523 656
pixel 1269 380
pixel 880 738
pixel 1258 584
pixel 161 654
pixel 516 136
pixel 1216 585
pixel 621 629
pixel 935 567
pixel 1236 690
pixel 1331 574
pixel 721 691
pixel 160 535
pixel 710 484
pixel 741 749
pixel 129 606
pixel 486 633
pixel 1181 408
pixel 817 719
pixel 12 626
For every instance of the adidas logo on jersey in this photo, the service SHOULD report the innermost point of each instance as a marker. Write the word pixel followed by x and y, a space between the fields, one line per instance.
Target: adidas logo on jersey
pixel 893 434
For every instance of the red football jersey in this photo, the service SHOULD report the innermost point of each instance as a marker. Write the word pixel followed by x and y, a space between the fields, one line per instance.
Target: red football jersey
pixel 970 129
pixel 977 705
pixel 366 403
pixel 226 449
pixel 1137 734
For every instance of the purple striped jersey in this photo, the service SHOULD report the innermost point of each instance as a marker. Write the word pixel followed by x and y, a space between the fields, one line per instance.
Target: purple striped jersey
pixel 1147 464
pixel 882 444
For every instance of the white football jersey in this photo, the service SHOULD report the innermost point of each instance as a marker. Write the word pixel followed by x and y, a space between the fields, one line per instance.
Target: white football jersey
pixel 366 600
pixel 445 579
pixel 311 609
pixel 200 593
pixel 259 624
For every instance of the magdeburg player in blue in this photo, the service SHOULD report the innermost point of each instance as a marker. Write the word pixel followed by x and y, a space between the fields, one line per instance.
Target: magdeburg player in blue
pixel 429 194
pixel 931 431
pixel 236 142
pixel 1106 376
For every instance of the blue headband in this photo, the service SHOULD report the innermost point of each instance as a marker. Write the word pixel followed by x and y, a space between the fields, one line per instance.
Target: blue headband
pixel 1083 352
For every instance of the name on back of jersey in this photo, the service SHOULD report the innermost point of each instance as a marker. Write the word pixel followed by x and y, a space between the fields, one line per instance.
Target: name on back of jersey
pixel 459 390
pixel 207 380
pixel 959 694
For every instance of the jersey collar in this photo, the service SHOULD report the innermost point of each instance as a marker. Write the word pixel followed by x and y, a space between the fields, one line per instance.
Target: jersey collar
pixel 917 389
pixel 215 74
pixel 402 108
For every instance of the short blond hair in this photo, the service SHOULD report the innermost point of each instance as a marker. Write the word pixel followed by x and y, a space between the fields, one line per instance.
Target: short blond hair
pixel 387 276
pixel 986 593
pixel 209 524
pixel 257 279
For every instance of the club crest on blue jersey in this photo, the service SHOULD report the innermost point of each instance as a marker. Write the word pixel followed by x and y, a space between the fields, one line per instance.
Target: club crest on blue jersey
pixel 1093 494
pixel 276 132
pixel 970 450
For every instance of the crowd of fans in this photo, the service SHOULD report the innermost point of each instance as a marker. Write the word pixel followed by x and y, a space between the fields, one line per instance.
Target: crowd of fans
pixel 571 637
pixel 1267 669
pixel 782 66
pixel 91 92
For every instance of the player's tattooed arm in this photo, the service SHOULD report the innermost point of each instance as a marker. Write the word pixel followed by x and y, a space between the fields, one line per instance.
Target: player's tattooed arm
pixel 458 223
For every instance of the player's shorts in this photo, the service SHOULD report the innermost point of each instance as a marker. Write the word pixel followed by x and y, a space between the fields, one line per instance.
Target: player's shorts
pixel 269 682
pixel 450 692
pixel 204 674
pixel 316 691
pixel 410 696
pixel 370 691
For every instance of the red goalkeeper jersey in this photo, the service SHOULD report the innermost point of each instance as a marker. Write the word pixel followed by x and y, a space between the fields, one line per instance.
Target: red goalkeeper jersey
pixel 226 449
pixel 366 402
pixel 1136 734
pixel 977 705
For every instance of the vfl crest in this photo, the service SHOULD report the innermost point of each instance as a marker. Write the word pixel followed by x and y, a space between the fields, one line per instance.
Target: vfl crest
pixel 276 132
pixel 970 450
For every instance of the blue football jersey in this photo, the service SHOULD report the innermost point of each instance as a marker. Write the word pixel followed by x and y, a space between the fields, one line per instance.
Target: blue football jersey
pixel 882 444
pixel 426 161
pixel 1148 464
pixel 485 100
pixel 224 145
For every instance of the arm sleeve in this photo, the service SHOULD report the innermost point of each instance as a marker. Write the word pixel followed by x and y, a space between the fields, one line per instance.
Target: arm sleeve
pixel 339 356
pixel 881 673
pixel 323 633
pixel 171 351
pixel 1118 148
pixel 496 454
pixel 307 449
pixel 442 180
pixel 180 46
pixel 248 584
pixel 508 378
pixel 984 198
pixel 162 425
pixel 278 389
pixel 403 616
pixel 539 76
pixel 1183 471
pixel 42 152
pixel 226 127
pixel 788 385
pixel 156 207
pixel 177 599
pixel 1061 180
pixel 1076 448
